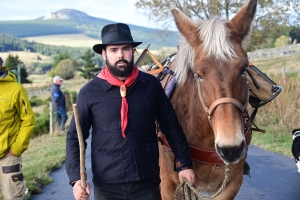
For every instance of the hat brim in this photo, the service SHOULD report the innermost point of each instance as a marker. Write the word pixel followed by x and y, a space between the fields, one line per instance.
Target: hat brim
pixel 98 47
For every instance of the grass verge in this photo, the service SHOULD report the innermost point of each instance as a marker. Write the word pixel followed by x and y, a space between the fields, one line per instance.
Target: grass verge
pixel 45 154
pixel 277 143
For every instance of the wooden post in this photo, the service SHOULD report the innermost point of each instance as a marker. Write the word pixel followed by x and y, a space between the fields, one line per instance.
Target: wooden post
pixel 81 147
pixel 283 74
pixel 51 117
pixel 71 98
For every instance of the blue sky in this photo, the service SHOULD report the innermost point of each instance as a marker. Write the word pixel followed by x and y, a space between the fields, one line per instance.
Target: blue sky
pixel 115 10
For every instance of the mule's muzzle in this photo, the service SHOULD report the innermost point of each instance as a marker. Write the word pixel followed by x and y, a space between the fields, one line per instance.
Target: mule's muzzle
pixel 231 154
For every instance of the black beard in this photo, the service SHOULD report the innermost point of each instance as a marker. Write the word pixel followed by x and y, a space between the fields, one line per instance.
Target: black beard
pixel 114 70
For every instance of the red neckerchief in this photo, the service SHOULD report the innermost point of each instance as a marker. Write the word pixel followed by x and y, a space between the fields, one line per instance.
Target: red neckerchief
pixel 106 75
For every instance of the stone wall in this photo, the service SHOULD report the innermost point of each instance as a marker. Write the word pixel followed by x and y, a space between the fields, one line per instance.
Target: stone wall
pixel 290 50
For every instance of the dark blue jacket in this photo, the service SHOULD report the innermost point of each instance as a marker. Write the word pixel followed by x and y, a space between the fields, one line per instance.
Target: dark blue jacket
pixel 57 97
pixel 116 159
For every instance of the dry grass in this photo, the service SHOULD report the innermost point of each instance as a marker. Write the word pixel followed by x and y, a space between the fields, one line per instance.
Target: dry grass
pixel 38 78
pixel 283 114
pixel 70 40
pixel 28 57
pixel 274 66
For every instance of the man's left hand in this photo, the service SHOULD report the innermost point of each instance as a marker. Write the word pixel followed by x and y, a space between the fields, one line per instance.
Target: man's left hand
pixel 188 174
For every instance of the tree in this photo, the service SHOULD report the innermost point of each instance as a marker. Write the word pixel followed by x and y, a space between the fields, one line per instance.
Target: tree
pixel 12 63
pixel 89 70
pixel 60 57
pixel 282 41
pixel 295 33
pixel 66 69
pixel 272 16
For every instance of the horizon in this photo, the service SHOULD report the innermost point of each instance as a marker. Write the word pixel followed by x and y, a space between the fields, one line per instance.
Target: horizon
pixel 33 9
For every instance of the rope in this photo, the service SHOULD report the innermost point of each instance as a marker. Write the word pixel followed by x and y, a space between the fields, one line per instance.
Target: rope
pixel 189 192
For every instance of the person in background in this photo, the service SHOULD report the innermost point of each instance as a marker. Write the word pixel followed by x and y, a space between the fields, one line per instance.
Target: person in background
pixel 59 103
pixel 17 123
pixel 122 105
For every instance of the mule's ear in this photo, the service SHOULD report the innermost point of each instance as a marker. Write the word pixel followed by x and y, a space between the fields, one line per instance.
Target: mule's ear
pixel 240 24
pixel 186 26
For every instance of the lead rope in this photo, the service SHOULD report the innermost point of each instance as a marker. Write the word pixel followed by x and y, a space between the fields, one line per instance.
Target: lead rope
pixel 189 192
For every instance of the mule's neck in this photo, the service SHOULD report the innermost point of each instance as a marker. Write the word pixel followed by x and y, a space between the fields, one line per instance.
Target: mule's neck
pixel 191 114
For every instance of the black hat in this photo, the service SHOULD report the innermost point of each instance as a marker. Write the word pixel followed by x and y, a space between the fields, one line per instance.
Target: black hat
pixel 115 34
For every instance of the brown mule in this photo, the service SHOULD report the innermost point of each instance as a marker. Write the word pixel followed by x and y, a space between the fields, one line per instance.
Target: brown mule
pixel 210 100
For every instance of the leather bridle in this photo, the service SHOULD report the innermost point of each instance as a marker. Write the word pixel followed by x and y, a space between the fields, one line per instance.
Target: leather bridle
pixel 211 157
pixel 210 111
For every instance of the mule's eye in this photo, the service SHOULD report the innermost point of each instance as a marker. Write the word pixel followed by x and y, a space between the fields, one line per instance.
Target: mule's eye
pixel 243 71
pixel 198 76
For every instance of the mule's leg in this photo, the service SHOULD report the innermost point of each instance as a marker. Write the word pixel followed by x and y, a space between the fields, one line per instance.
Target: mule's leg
pixel 169 178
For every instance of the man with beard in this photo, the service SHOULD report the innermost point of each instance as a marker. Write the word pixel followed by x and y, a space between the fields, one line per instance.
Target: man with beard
pixel 122 105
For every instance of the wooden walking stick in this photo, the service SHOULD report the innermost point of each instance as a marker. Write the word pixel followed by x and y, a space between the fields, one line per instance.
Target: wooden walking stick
pixel 81 147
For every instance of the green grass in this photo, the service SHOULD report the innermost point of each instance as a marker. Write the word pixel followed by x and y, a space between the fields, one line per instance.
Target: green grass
pixel 280 144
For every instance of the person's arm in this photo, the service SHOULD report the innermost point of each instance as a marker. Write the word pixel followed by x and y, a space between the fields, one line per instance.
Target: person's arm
pixel 72 143
pixel 170 127
pixel 58 97
pixel 27 123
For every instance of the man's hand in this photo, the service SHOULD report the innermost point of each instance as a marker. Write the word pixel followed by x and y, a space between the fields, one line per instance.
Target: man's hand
pixel 79 193
pixel 188 174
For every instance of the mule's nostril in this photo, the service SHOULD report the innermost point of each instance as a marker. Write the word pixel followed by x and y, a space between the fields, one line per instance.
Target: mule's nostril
pixel 242 147
pixel 219 151
pixel 231 153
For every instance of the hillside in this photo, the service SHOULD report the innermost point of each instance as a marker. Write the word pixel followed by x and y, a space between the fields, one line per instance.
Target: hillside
pixel 10 43
pixel 272 61
pixel 69 21
pixel 69 40
pixel 28 57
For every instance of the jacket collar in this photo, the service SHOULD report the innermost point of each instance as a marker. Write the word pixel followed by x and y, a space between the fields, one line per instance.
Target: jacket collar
pixel 8 76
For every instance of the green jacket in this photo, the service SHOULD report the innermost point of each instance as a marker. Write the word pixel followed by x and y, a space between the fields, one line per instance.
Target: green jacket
pixel 16 116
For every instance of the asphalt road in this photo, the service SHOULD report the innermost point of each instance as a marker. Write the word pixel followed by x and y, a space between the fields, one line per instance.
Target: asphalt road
pixel 272 177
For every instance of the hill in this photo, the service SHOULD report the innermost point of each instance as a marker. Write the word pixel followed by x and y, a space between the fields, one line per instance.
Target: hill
pixel 69 40
pixel 273 60
pixel 10 43
pixel 70 21
pixel 28 57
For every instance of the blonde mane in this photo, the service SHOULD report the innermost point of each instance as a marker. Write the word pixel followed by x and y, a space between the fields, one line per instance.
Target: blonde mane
pixel 215 38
